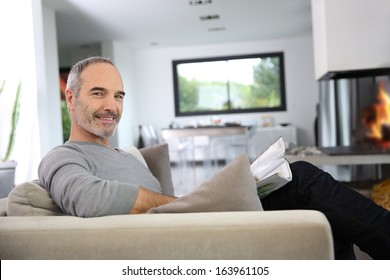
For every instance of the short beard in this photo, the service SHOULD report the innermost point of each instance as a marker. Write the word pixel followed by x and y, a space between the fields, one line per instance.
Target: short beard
pixel 87 121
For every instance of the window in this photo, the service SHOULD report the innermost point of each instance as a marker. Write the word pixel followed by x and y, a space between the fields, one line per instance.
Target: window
pixel 226 85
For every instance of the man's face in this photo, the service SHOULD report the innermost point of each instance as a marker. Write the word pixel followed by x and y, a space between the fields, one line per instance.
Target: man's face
pixel 97 109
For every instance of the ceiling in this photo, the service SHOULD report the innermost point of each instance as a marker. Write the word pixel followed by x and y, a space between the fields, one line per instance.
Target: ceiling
pixel 160 23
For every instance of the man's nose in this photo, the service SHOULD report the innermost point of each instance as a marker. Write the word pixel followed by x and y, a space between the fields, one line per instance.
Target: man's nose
pixel 110 103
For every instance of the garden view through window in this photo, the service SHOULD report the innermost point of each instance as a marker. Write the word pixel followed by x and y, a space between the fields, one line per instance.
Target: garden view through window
pixel 234 84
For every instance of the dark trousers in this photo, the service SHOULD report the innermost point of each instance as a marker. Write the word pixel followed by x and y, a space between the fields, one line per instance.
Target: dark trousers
pixel 354 219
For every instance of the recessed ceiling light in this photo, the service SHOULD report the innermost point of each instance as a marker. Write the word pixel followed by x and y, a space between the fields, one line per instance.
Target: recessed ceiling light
pixel 200 2
pixel 209 17
pixel 216 29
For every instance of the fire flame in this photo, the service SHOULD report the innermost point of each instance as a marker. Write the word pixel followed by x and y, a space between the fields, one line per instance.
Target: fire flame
pixel 377 118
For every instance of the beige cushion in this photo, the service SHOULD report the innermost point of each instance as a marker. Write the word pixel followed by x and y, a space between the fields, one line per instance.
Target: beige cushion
pixel 157 159
pixel 30 199
pixel 231 189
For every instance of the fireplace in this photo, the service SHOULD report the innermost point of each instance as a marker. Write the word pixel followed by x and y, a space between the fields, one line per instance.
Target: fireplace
pixel 354 109
pixel 354 117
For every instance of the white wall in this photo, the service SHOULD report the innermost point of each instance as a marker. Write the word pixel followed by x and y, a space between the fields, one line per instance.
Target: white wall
pixel 49 101
pixel 154 99
pixel 350 35
pixel 70 56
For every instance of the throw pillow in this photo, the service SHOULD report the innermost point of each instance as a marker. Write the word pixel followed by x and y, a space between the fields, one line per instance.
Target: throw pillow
pixel 233 188
pixel 136 153
pixel 157 159
pixel 30 199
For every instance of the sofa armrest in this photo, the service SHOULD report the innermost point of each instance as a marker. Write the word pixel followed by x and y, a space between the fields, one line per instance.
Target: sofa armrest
pixel 295 234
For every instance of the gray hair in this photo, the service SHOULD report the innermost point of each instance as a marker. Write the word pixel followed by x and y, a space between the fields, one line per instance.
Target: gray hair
pixel 74 82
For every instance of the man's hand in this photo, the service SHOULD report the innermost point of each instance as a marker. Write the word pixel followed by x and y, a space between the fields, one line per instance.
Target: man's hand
pixel 147 199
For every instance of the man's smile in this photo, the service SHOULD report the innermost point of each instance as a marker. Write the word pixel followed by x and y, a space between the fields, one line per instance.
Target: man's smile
pixel 110 118
pixel 106 118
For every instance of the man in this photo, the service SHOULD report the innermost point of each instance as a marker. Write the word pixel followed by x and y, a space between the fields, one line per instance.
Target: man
pixel 88 178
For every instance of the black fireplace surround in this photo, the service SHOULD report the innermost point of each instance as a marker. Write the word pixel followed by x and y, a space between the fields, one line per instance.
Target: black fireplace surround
pixel 354 74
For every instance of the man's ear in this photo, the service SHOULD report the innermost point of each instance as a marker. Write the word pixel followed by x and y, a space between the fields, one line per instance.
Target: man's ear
pixel 70 99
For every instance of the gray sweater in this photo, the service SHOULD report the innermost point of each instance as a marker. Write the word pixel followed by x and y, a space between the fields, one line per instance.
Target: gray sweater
pixel 90 180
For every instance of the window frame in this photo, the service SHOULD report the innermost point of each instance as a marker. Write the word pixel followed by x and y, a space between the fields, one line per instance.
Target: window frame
pixel 282 107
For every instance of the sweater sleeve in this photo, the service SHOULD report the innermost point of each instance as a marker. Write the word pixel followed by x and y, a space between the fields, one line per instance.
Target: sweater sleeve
pixel 68 176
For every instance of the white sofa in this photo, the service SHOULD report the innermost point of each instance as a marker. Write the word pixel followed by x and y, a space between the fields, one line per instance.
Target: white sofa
pixel 222 235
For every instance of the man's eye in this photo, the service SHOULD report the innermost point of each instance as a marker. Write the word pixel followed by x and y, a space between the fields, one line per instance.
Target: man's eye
pixel 119 96
pixel 97 93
